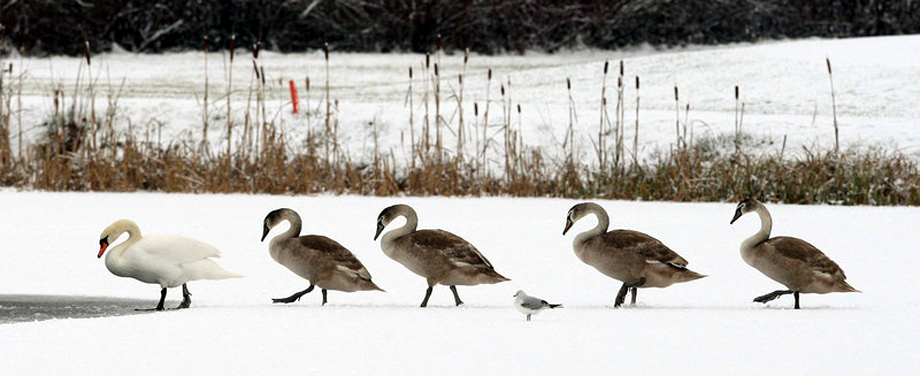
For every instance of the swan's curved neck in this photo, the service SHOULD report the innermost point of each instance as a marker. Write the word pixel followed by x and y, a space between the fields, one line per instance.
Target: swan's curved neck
pixel 603 221
pixel 113 259
pixel 296 225
pixel 409 227
pixel 766 226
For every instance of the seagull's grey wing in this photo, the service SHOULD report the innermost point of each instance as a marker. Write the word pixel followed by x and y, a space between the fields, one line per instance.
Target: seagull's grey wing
pixel 530 302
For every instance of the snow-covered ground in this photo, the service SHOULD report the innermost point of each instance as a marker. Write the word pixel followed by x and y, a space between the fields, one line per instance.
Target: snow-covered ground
pixel 784 86
pixel 709 326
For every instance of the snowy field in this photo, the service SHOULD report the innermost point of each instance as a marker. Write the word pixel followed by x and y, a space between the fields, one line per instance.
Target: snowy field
pixel 709 326
pixel 784 87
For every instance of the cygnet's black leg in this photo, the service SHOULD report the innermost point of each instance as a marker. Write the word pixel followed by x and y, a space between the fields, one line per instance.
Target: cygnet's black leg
pixel 427 295
pixel 457 300
pixel 186 298
pixel 633 291
pixel 324 296
pixel 621 295
pixel 295 297
pixel 773 295
pixel 796 295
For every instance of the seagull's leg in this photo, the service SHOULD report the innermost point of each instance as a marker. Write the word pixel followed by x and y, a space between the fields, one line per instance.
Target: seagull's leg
pixel 457 300
pixel 324 296
pixel 427 295
pixel 295 297
pixel 796 295
pixel 186 298
pixel 633 291
pixel 773 295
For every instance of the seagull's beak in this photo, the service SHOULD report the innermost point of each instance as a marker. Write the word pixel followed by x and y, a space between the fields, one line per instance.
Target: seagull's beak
pixel 568 225
pixel 380 227
pixel 264 232
pixel 103 244
pixel 737 215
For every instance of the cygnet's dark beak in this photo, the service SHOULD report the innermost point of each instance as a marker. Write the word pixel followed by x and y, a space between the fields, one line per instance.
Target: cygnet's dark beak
pixel 737 215
pixel 264 232
pixel 380 227
pixel 568 225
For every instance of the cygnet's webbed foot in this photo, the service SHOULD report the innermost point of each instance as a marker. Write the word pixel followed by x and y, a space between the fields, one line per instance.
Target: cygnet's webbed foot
pixel 295 297
pixel 772 296
pixel 457 300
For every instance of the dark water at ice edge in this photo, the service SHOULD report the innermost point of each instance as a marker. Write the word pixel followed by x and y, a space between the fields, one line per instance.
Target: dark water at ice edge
pixel 26 308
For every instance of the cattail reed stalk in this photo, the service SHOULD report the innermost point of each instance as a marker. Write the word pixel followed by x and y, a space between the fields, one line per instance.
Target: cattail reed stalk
pixel 601 132
pixel 461 125
pixel 570 134
pixel 204 133
pixel 677 117
pixel 737 121
pixel 328 103
pixel 229 101
pixel 636 135
pixel 410 101
pixel 485 122
pixel 426 125
pixel 620 124
pixel 830 73
pixel 437 109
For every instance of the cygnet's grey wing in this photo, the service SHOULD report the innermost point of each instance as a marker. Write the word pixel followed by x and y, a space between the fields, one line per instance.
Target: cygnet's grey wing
pixel 530 302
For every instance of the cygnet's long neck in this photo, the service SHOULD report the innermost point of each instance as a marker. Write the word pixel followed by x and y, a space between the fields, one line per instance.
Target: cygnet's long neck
pixel 408 228
pixel 294 231
pixel 603 221
pixel 766 225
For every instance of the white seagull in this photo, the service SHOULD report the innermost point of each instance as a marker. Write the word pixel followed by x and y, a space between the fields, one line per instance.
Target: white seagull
pixel 530 305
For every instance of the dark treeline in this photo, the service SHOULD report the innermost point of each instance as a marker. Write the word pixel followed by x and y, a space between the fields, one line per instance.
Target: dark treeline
pixel 485 26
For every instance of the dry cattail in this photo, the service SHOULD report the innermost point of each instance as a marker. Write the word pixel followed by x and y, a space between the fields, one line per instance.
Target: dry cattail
pixel 503 89
pixel 436 70
pixel 466 55
pixel 568 83
pixel 829 71
pixel 475 109
pixel 606 65
pixel 256 68
pixel 621 67
pixel 438 38
pixel 206 47
pixel 460 78
pixel 262 70
pixel 519 109
pixel 637 82
pixel 255 50
pixel 427 61
pixel 308 83
pixel 620 81
pixel 410 73
pixel 736 92
pixel 326 51
pixel 490 74
pixel 676 94
pixel 232 47
pixel 85 51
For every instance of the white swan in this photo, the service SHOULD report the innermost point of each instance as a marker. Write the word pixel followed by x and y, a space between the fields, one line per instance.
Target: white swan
pixel 163 259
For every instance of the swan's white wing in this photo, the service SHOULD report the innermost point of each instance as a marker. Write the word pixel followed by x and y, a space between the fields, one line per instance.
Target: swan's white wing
pixel 174 248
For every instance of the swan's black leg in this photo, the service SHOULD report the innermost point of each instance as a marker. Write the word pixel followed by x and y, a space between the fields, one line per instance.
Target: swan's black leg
pixel 774 295
pixel 159 305
pixel 295 297
pixel 427 295
pixel 186 298
pixel 324 296
pixel 633 291
pixel 528 317
pixel 796 295
pixel 457 300
pixel 621 295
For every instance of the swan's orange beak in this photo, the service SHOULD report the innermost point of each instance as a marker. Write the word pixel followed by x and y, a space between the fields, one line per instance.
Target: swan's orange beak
pixel 103 244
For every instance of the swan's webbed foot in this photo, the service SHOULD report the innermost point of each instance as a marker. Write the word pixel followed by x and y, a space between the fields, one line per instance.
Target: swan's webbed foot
pixel 186 298
pixel 295 297
pixel 777 294
pixel 621 295
pixel 457 300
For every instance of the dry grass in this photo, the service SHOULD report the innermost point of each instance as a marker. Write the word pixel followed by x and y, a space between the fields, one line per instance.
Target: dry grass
pixel 82 151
